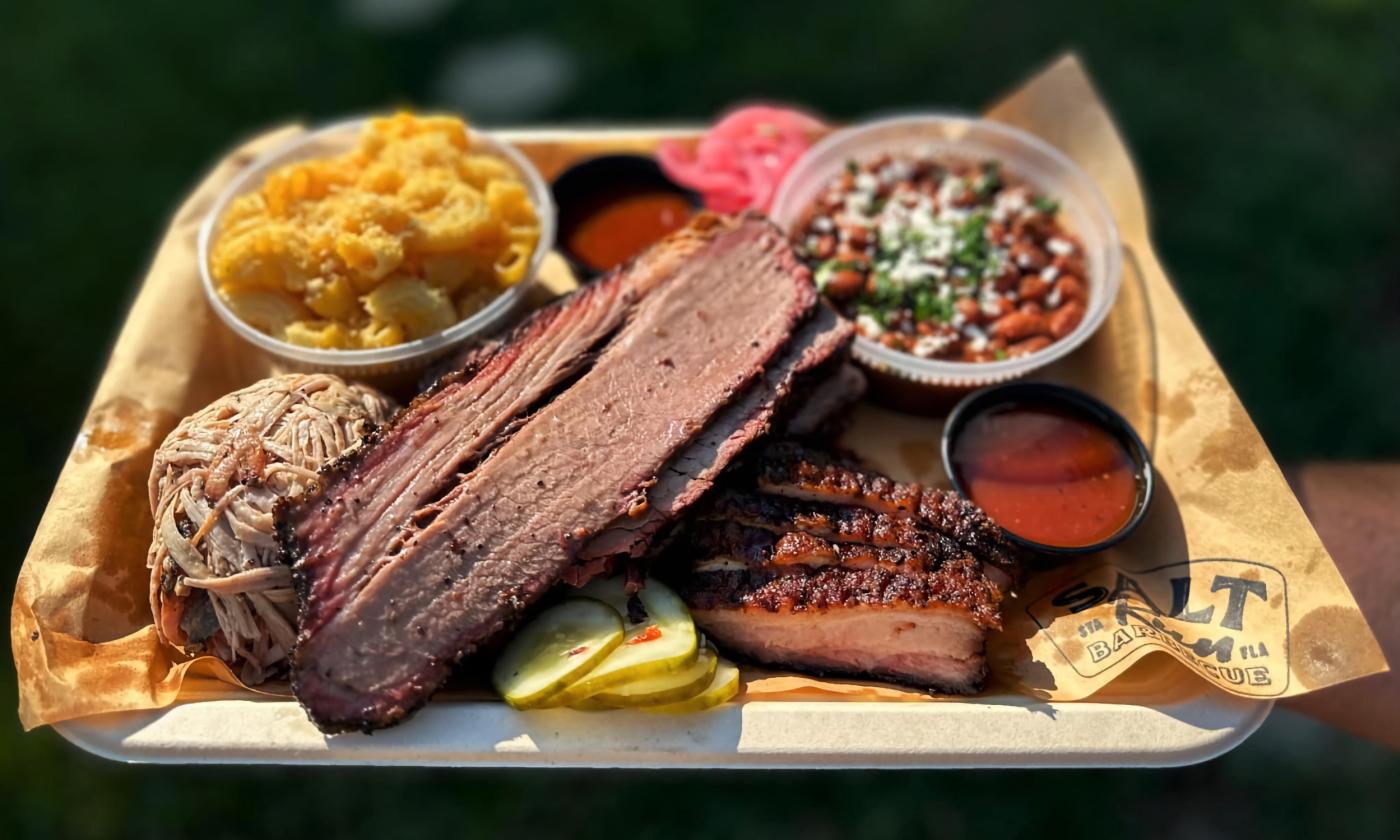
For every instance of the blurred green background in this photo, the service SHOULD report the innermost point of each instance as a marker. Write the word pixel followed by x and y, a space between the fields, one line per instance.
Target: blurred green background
pixel 1268 138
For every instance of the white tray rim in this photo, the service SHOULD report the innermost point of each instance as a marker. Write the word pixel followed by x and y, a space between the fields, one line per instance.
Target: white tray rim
pixel 1006 731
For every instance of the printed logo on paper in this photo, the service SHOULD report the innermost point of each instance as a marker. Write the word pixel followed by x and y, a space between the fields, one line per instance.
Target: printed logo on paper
pixel 1226 619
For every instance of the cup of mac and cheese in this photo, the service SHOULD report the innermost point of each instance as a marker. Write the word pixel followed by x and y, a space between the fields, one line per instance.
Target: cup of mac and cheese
pixel 377 245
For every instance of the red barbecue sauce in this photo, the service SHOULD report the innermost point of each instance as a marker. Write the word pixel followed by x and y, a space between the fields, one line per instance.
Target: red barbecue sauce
pixel 618 226
pixel 1047 474
pixel 651 634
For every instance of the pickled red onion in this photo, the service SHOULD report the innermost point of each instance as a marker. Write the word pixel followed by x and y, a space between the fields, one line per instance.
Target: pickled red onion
pixel 739 162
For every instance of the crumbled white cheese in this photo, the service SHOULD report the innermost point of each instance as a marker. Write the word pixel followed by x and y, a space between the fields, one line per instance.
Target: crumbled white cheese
pixel 893 220
pixel 976 338
pixel 929 346
pixel 950 190
pixel 1059 247
pixel 1007 204
pixel 847 218
pixel 989 301
pixel 896 170
pixel 999 260
pixel 1053 299
pixel 938 245
pixel 865 182
pixel 1049 273
pixel 912 233
pixel 868 326
pixel 920 217
pixel 822 224
pixel 908 269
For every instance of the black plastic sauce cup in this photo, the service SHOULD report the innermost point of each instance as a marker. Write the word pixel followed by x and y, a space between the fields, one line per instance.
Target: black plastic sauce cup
pixel 1074 401
pixel 582 188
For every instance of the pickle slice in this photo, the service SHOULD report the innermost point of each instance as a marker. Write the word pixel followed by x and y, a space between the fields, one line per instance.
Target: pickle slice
pixel 559 646
pixel 722 688
pixel 665 688
pixel 591 704
pixel 660 639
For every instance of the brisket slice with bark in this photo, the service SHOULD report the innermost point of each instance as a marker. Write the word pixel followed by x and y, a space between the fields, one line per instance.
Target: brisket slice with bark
pixel 805 560
pixel 694 470
pixel 506 484
pixel 368 498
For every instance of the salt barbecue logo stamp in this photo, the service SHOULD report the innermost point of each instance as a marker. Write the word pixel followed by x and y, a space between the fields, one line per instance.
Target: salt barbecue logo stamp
pixel 1226 619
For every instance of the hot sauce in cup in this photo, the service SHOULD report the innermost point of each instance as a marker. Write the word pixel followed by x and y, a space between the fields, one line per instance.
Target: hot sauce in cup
pixel 1056 474
pixel 619 226
pixel 612 208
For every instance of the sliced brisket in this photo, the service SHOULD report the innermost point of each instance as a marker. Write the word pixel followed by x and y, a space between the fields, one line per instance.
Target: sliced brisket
pixel 478 500
pixel 694 470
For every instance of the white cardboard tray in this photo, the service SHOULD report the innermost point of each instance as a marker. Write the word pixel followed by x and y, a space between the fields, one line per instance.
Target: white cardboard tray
pixel 1196 724
pixel 996 731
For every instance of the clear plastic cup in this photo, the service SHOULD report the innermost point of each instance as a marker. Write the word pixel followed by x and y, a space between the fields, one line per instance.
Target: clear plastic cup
pixel 1024 156
pixel 402 361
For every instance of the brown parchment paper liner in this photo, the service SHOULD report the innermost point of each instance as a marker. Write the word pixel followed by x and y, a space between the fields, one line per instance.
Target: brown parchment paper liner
pixel 1226 576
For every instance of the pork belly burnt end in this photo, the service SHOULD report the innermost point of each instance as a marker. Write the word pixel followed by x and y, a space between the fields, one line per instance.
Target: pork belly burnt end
pixel 796 471
pixel 926 629
pixel 391 605
pixel 807 561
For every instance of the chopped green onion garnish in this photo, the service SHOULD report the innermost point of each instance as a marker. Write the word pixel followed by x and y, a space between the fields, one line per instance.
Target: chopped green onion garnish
pixel 990 179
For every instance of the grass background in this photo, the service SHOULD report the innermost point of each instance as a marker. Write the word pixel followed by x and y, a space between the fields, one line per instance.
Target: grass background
pixel 1266 134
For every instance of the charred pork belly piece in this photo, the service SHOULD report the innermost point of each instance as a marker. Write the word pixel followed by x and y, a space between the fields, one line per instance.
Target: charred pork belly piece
pixel 842 523
pixel 760 547
pixel 799 472
pixel 807 561
pixel 925 629
pixel 959 518
pixel 479 497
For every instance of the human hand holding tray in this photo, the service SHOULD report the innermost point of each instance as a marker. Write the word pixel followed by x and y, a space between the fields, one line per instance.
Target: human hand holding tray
pixel 1226 575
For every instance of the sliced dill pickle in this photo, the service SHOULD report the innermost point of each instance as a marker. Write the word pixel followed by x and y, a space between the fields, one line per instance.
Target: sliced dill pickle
pixel 559 646
pixel 660 639
pixel 722 688
pixel 666 688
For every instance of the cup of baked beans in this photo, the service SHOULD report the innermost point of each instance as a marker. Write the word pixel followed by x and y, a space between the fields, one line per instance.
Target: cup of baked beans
pixel 967 252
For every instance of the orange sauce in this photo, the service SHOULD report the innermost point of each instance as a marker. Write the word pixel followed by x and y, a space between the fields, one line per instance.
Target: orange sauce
pixel 617 227
pixel 1046 474
pixel 651 634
